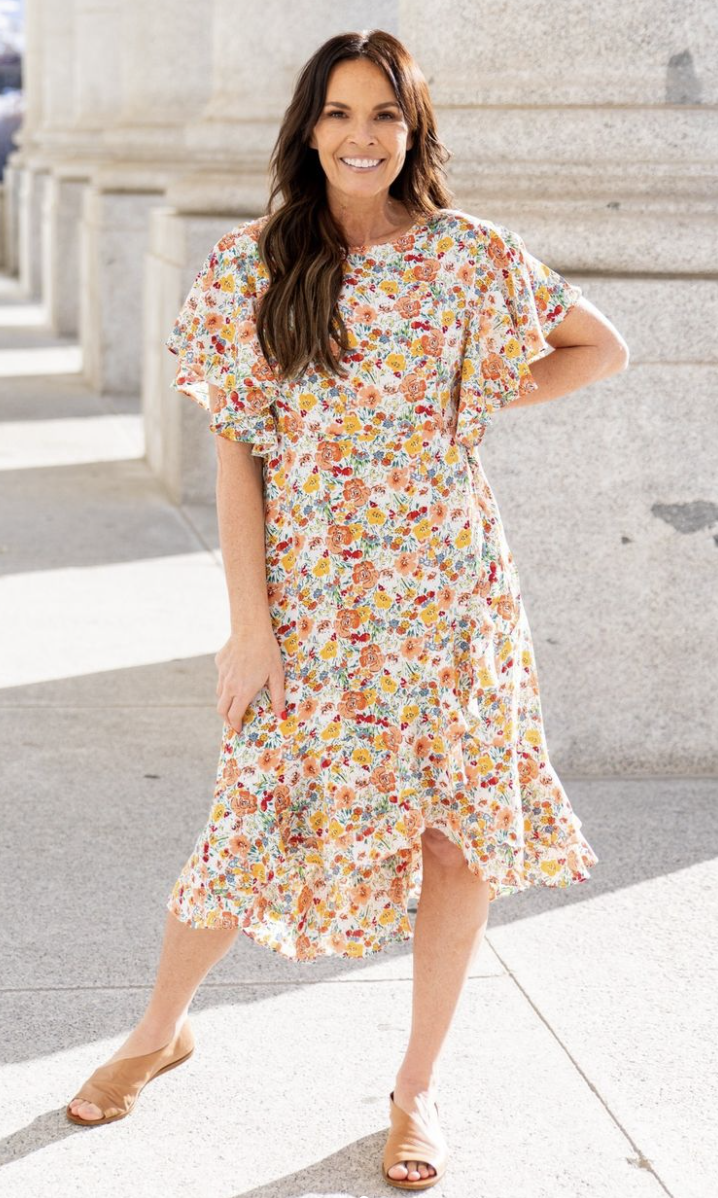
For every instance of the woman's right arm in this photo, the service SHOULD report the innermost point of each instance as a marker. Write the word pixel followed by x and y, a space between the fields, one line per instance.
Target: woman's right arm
pixel 251 657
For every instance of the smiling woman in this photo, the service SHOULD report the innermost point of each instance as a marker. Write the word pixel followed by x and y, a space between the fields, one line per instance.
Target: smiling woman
pixel 358 162
pixel 383 736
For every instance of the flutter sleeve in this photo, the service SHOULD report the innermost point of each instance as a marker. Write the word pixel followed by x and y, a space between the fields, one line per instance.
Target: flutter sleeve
pixel 516 301
pixel 215 340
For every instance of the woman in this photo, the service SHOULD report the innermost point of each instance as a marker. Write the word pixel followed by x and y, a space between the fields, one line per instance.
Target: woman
pixel 383 737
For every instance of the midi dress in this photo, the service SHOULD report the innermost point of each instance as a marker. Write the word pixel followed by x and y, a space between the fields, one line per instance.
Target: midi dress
pixel 412 696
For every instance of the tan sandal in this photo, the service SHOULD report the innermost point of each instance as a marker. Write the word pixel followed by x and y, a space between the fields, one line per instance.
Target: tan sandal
pixel 408 1141
pixel 115 1087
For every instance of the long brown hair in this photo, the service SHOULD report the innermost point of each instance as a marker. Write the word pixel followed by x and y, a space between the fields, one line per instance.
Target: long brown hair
pixel 301 244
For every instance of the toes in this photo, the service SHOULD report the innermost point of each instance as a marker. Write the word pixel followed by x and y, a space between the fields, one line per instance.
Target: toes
pixel 411 1171
pixel 85 1110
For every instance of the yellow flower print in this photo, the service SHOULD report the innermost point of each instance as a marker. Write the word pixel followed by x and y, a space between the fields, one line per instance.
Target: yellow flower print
pixel 383 601
pixel 322 568
pixel 463 539
pixel 328 651
pixel 413 444
pixel 307 401
pixel 533 736
pixel 335 828
pixel 258 871
pixel 444 244
pixel 395 361
pixel 429 614
pixel 332 731
pixel 217 813
pixel 512 348
pixel 390 685
pixel 389 287
pixel 375 516
pixel 351 423
pixel 361 756
pixel 485 764
pixel 468 370
pixel 409 713
pixel 289 726
pixel 551 867
pixel 311 485
pixel 288 559
pixel 422 529
pixel 226 283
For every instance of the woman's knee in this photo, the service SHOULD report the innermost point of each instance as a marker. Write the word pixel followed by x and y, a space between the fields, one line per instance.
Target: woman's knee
pixel 443 850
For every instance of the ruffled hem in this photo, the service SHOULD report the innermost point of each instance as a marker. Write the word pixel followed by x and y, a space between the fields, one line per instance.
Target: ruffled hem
pixel 249 420
pixel 261 914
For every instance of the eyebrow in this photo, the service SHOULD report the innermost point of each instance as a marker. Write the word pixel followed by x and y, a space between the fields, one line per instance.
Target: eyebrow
pixel 384 104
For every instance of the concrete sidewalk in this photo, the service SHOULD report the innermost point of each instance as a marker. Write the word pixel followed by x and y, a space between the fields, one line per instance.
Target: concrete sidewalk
pixel 583 1058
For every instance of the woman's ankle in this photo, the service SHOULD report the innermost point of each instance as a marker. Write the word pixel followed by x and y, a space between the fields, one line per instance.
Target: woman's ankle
pixel 416 1083
pixel 156 1023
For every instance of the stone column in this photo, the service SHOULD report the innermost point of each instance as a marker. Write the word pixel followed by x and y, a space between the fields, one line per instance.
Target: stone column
pixel 24 190
pixel 164 77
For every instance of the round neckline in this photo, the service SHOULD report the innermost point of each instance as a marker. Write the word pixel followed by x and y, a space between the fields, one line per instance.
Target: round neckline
pixel 361 250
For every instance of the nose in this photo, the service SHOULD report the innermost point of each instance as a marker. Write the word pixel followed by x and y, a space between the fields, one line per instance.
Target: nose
pixel 361 133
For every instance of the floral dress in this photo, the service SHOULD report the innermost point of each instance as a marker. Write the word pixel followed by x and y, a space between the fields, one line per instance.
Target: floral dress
pixel 410 679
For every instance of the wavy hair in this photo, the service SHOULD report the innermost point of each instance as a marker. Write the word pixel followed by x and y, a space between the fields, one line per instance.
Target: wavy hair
pixel 301 244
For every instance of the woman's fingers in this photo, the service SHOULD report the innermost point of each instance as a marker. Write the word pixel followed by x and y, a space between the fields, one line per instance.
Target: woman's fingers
pixel 235 713
pixel 275 685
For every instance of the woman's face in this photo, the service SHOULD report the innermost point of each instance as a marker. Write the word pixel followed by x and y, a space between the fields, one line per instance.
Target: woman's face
pixel 361 119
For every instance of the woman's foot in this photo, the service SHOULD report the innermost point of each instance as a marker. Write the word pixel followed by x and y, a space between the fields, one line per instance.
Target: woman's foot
pixel 417 1100
pixel 146 1037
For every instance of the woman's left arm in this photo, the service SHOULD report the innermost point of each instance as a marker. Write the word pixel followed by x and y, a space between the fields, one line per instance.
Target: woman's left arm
pixel 586 347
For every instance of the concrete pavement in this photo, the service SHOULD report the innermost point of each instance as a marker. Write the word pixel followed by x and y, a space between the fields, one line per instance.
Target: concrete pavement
pixel 583 1059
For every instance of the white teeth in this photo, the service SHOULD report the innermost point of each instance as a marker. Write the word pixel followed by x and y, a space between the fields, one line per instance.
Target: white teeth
pixel 363 162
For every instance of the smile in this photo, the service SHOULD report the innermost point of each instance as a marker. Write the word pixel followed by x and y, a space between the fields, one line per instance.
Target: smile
pixel 362 164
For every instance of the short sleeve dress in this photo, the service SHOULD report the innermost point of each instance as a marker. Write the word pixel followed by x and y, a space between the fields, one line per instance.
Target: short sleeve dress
pixel 411 685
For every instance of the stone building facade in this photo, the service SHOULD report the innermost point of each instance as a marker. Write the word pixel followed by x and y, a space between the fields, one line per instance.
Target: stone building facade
pixel 591 130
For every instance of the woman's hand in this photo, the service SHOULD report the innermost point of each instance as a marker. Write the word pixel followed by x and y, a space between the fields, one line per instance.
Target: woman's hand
pixel 250 658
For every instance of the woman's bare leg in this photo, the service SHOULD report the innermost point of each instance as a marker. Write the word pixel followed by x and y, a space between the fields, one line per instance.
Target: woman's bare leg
pixel 451 919
pixel 187 956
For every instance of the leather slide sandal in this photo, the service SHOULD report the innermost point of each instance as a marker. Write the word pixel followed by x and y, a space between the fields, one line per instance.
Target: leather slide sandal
pixel 408 1141
pixel 115 1087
